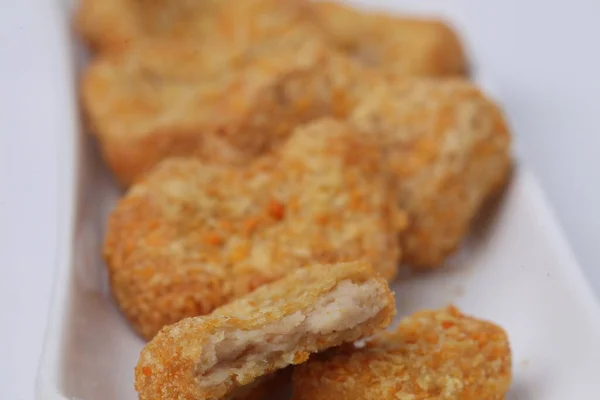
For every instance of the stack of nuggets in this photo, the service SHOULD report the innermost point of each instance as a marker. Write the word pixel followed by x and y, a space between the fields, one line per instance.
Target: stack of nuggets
pixel 447 144
pixel 258 137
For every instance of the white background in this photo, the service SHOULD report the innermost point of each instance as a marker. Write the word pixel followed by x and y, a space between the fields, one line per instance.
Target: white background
pixel 545 60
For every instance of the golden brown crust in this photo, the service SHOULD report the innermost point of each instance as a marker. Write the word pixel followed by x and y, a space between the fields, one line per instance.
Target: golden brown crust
pixel 449 147
pixel 171 365
pixel 191 236
pixel 439 355
pixel 402 45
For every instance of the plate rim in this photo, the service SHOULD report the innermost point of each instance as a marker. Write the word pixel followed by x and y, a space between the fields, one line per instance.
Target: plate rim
pixel 49 371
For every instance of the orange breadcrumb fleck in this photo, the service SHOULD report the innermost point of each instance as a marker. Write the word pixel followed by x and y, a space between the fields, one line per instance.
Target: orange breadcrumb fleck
pixel 276 210
pixel 213 238
pixel 321 219
pixel 447 324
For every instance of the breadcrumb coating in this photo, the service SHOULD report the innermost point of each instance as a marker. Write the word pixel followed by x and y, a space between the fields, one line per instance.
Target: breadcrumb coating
pixel 434 355
pixel 192 236
pixel 449 147
pixel 400 44
pixel 156 102
pixel 279 324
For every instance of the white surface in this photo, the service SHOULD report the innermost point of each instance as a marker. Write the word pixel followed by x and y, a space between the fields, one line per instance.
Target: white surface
pixel 515 270
pixel 542 54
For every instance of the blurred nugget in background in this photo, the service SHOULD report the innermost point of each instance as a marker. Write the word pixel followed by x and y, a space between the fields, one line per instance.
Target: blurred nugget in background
pixel 402 44
pixel 143 108
pixel 399 44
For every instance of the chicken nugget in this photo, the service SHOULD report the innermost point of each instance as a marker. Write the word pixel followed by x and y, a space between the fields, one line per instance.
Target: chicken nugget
pixel 404 45
pixel 228 26
pixel 144 107
pixel 449 147
pixel 442 355
pixel 191 236
pixel 280 324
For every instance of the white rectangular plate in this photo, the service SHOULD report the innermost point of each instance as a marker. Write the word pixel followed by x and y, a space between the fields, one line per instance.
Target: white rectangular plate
pixel 516 269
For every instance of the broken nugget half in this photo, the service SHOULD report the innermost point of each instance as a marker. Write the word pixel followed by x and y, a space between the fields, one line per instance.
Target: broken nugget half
pixel 192 237
pixel 279 324
pixel 438 354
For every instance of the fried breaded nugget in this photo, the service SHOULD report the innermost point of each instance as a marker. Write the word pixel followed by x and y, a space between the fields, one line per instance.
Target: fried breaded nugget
pixel 228 26
pixel 442 355
pixel 144 107
pixel 279 324
pixel 404 45
pixel 449 147
pixel 192 236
